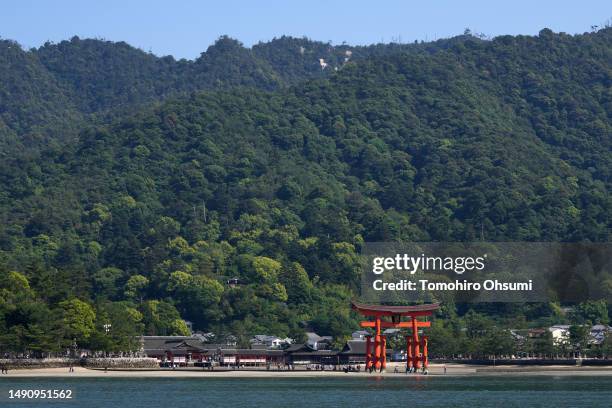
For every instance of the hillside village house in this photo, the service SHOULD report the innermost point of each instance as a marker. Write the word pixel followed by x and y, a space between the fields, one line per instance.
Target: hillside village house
pixel 560 334
pixel 597 334
pixel 360 334
pixel 270 341
pixel 317 342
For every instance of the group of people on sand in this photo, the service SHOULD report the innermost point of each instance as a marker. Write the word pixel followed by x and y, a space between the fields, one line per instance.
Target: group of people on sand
pixel 415 370
pixel 278 366
pixel 321 367
pixel 351 369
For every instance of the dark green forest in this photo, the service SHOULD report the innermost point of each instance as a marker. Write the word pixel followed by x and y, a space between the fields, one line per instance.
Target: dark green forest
pixel 133 187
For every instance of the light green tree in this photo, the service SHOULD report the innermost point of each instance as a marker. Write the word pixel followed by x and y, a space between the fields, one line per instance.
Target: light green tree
pixel 79 319
pixel 266 269
pixel 135 287
pixel 162 318
pixel 297 283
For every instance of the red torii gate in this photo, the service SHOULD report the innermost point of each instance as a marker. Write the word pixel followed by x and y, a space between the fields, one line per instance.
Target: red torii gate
pixel 378 360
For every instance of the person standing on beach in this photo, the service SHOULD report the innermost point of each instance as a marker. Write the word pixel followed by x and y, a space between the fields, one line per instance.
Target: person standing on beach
pixel 444 368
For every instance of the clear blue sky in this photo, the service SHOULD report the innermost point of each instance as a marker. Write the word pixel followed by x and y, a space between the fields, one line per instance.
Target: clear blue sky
pixel 184 28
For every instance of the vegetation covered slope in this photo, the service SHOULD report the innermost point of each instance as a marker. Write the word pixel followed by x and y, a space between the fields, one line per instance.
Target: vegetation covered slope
pixel 30 98
pixel 143 220
pixel 49 92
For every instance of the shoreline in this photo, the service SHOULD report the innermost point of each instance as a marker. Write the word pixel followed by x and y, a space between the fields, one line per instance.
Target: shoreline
pixel 435 370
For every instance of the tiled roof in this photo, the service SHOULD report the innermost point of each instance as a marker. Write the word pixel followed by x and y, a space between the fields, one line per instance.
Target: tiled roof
pixel 354 347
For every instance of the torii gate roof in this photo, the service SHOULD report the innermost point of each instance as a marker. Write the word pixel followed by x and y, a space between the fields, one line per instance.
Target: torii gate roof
pixel 385 310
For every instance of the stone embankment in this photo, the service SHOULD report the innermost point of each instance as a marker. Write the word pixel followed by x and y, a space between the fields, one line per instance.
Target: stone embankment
pixel 118 362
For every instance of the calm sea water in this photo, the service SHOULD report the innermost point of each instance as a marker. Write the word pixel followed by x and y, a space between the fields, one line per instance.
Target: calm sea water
pixel 528 391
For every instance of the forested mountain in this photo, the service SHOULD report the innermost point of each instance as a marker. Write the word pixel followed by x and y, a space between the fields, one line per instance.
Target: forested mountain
pixel 30 96
pixel 279 170
pixel 50 92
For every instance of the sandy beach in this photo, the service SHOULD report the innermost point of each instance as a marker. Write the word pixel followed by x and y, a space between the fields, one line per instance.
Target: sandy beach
pixel 434 370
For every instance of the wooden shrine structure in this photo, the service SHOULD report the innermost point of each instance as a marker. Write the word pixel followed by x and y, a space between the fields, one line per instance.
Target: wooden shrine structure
pixel 416 348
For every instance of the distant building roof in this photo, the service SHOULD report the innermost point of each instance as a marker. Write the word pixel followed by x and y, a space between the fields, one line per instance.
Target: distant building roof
pixel 598 333
pixel 316 341
pixel 354 347
pixel 360 334
pixel 298 347
pixel 516 335
pixel 559 327
pixel 264 338
pixel 179 345
pixel 312 336
pixel 539 332
pixel 315 353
